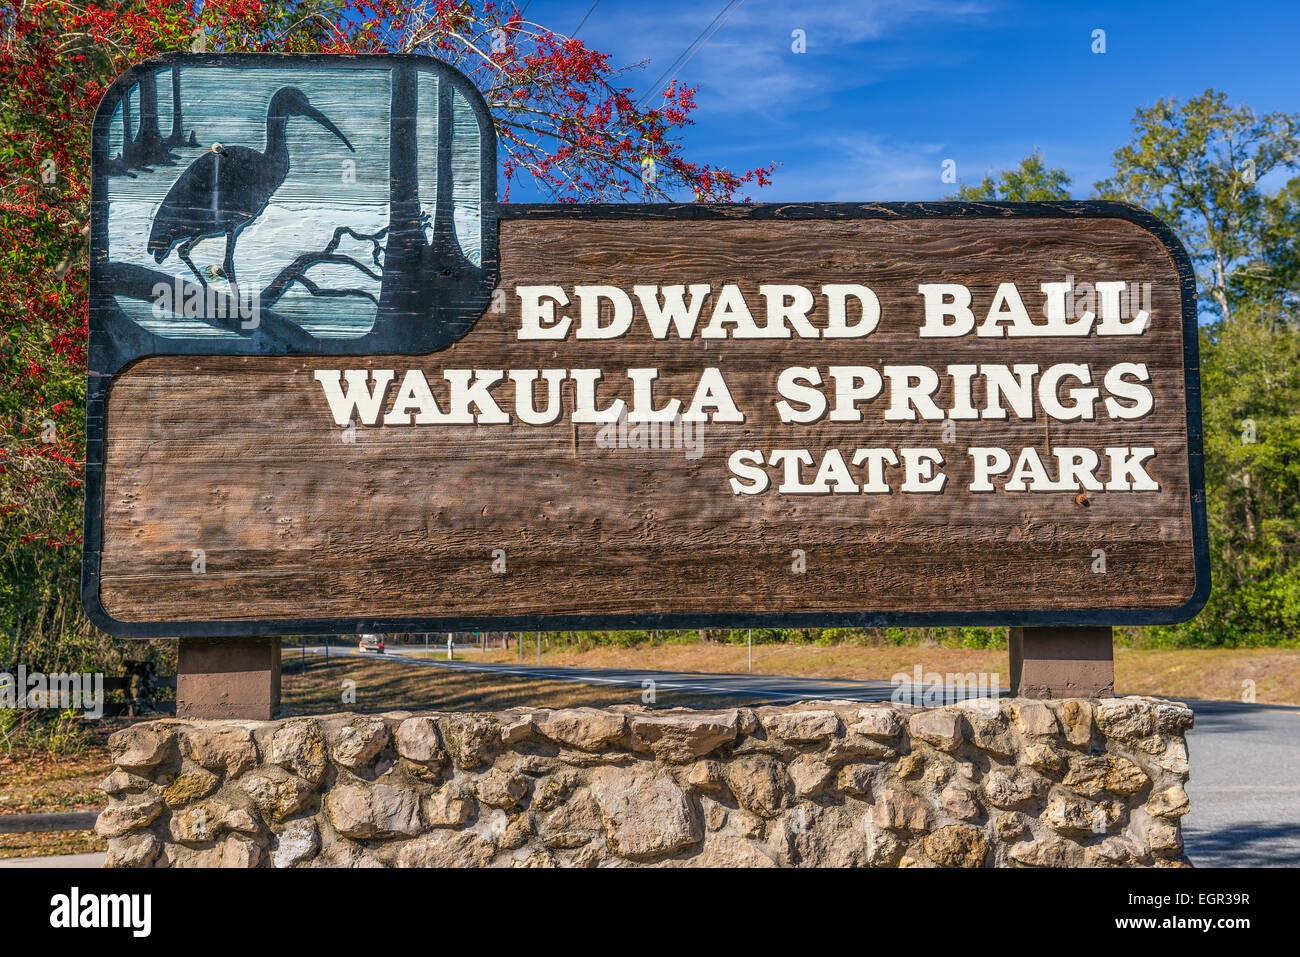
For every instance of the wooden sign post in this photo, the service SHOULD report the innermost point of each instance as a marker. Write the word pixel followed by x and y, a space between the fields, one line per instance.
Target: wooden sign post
pixel 335 387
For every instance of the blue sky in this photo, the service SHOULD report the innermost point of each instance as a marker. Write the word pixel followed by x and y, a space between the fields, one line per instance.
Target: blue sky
pixel 887 91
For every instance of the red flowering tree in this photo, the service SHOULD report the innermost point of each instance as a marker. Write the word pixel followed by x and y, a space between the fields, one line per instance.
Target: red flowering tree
pixel 565 120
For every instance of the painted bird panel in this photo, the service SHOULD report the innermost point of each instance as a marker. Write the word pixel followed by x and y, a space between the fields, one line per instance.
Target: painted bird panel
pixel 229 224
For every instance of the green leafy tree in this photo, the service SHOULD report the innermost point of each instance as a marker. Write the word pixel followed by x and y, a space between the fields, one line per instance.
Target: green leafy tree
pixel 1030 182
pixel 1272 277
pixel 1197 165
pixel 1250 381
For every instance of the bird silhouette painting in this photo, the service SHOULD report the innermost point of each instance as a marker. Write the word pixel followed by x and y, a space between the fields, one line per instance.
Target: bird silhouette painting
pixel 228 187
pixel 355 199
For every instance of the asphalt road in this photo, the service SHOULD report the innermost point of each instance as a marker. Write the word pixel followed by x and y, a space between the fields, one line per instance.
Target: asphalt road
pixel 1244 787
pixel 762 688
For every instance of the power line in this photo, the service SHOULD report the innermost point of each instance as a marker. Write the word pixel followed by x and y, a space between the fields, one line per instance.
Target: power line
pixel 728 9
pixel 584 20
pixel 711 35
pixel 649 93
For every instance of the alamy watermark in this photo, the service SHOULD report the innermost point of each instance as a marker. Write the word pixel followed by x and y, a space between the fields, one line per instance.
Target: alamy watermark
pixel 666 435
pixel 1117 300
pixel 182 299
pixel 73 910
pixel 931 689
pixel 35 689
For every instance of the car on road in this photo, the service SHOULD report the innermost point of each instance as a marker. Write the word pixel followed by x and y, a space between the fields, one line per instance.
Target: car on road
pixel 373 643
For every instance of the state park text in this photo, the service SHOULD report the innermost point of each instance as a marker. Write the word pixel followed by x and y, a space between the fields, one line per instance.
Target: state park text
pixel 1069 391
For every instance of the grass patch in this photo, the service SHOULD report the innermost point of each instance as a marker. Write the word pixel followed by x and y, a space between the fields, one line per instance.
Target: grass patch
pixel 34 781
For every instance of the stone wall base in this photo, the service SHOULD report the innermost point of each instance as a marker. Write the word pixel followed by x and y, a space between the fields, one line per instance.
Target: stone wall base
pixel 1074 782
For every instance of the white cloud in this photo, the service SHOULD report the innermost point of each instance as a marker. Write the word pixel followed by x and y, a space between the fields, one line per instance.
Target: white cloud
pixel 865 166
pixel 748 65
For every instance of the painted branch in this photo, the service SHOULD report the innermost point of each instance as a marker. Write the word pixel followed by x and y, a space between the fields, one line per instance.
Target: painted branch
pixel 138 282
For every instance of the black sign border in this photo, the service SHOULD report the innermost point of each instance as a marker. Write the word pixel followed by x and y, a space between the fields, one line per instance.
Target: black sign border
pixel 99 384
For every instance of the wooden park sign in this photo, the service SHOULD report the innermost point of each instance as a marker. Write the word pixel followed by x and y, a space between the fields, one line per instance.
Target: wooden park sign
pixel 335 386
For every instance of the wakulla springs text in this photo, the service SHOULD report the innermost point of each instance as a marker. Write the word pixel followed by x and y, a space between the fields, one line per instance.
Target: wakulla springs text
pixel 955 392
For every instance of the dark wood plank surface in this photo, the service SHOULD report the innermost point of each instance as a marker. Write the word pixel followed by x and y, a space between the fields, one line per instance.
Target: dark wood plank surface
pixel 239 457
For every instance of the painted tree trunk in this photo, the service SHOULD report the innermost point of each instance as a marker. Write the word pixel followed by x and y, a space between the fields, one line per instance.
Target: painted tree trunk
pixel 423 281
